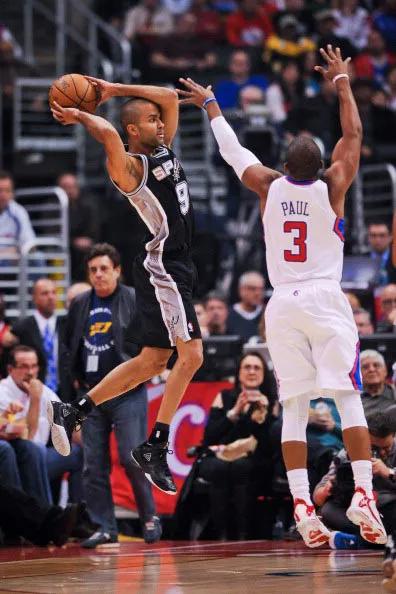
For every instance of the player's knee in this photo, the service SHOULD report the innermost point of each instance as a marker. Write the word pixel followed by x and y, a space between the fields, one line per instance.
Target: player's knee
pixel 192 357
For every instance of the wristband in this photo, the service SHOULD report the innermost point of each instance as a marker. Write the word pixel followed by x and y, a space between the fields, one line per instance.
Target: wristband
pixel 208 100
pixel 344 75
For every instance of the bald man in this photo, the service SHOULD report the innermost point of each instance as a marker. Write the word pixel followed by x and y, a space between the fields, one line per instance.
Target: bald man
pixel 244 316
pixel 41 331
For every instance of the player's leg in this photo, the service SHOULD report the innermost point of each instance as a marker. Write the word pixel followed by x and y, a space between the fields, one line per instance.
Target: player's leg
pixel 363 510
pixel 64 418
pixel 151 455
pixel 336 354
pixel 294 449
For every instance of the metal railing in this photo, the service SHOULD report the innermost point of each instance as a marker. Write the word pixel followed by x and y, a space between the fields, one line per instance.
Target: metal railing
pixel 374 196
pixel 48 210
pixel 59 17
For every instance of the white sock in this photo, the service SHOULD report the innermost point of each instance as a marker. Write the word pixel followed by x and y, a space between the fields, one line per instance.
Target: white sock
pixel 299 484
pixel 363 475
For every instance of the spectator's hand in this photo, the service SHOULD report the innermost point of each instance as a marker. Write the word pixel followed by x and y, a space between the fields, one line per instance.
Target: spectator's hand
pixel 323 493
pixel 9 339
pixel 240 404
pixel 195 93
pixel 380 468
pixel 34 388
pixel 366 151
pixel 335 64
pixel 64 115
pixel 392 316
pixel 13 408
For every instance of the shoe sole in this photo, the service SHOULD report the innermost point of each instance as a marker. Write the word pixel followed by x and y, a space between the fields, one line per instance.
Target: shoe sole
pixel 387 568
pixel 148 477
pixel 301 527
pixel 59 437
pixel 361 519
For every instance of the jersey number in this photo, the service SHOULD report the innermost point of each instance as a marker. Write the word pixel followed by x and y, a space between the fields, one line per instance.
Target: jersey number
pixel 183 197
pixel 299 255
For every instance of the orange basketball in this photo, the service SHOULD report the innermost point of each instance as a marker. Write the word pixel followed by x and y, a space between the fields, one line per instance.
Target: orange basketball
pixel 73 90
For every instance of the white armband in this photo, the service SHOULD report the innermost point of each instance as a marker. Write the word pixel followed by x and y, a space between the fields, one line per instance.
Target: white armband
pixel 236 155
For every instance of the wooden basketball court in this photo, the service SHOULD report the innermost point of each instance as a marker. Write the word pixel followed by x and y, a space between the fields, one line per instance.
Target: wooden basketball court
pixel 190 568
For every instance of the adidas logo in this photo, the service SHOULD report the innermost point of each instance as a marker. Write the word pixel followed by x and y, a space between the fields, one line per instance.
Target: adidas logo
pixel 147 456
pixel 66 412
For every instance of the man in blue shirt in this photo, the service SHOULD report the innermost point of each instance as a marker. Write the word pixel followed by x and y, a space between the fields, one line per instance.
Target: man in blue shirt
pixel 227 91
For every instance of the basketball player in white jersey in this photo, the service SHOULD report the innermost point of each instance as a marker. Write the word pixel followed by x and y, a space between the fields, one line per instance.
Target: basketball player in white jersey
pixel 310 329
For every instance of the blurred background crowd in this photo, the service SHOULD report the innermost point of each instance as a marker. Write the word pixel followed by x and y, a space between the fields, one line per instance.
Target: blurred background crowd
pixel 68 240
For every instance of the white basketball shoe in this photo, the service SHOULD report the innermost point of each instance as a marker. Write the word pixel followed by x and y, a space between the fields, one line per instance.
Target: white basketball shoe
pixel 364 513
pixel 313 531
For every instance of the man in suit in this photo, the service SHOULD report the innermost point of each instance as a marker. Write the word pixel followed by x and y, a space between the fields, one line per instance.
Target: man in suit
pixel 380 239
pixel 42 330
pixel 95 341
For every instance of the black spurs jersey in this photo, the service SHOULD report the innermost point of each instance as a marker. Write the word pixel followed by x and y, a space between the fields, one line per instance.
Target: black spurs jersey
pixel 163 202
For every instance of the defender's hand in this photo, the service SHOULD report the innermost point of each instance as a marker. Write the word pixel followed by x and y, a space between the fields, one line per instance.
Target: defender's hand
pixel 65 115
pixel 105 89
pixel 335 64
pixel 195 94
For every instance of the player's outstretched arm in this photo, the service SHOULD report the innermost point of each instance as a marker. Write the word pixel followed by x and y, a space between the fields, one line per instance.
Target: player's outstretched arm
pixel 253 174
pixel 165 98
pixel 120 167
pixel 346 155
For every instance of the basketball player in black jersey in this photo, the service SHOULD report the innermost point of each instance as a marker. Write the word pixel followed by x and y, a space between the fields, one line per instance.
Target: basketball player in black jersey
pixel 152 179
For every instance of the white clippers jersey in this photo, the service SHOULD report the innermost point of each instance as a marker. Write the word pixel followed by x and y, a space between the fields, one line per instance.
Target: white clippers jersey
pixel 304 237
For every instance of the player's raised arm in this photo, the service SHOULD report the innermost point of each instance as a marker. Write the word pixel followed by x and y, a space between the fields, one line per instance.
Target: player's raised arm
pixel 346 155
pixel 165 98
pixel 119 165
pixel 253 174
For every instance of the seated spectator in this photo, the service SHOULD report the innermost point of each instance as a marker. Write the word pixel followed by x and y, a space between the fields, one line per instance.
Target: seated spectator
pixel 377 395
pixel 380 239
pixel 388 307
pixel 240 76
pixel 210 25
pixel 83 222
pixel 15 226
pixel 363 322
pixel 148 19
pixel 353 22
pixel 74 290
pixel 183 52
pixel 216 308
pixel 334 492
pixel 374 62
pixel 23 388
pixel 288 43
pixel 42 330
pixel 385 21
pixel 202 318
pixel 38 522
pixel 249 26
pixel 237 434
pixel 244 316
pixel 326 25
pixel 353 299
pixel 391 88
pixel 324 423
pixel 284 92
pixel 378 123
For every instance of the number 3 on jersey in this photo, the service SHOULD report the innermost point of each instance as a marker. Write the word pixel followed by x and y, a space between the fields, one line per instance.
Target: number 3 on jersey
pixel 183 197
pixel 299 230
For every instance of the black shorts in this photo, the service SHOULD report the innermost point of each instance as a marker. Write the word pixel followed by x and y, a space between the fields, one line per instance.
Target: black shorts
pixel 164 308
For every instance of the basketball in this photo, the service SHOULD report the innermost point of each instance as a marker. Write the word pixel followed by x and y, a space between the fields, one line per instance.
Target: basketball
pixel 74 90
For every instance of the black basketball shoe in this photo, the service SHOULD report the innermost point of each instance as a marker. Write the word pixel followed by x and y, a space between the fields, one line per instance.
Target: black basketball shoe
pixel 63 420
pixel 151 458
